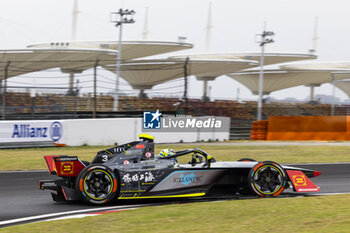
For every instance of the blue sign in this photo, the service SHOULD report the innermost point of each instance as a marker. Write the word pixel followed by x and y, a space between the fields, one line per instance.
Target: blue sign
pixel 28 131
pixel 56 131
pixel 152 120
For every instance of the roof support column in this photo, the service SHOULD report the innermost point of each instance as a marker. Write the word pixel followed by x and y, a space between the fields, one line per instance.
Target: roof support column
pixel 4 90
pixel 205 80
pixel 142 94
pixel 312 92
pixel 71 72
pixel 71 83
pixel 205 91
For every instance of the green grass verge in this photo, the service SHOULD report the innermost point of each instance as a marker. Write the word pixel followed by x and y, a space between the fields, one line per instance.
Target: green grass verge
pixel 32 159
pixel 316 214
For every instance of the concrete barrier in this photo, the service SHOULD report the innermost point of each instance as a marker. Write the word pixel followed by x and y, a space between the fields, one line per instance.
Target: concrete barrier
pixel 108 131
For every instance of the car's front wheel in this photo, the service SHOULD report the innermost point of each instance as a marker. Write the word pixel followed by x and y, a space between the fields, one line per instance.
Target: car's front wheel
pixel 267 179
pixel 97 184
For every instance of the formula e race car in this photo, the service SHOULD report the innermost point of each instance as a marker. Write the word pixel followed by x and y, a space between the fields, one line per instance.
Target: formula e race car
pixel 133 171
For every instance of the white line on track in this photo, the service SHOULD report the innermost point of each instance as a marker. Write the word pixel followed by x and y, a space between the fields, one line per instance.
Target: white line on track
pixel 82 215
pixel 40 217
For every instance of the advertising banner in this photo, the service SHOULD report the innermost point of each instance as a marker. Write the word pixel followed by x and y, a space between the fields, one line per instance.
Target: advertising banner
pixel 31 131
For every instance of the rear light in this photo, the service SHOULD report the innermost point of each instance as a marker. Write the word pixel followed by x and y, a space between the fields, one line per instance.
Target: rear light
pixel 317 173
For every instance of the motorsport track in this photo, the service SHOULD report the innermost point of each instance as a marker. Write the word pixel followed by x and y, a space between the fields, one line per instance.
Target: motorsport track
pixel 21 201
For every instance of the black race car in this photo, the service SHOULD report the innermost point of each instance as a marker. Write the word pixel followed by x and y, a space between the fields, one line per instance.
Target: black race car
pixel 132 171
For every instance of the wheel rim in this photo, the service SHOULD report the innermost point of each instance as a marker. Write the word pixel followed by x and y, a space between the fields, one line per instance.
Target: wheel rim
pixel 268 180
pixel 98 184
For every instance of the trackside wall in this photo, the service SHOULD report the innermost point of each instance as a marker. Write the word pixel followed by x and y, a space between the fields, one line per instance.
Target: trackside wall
pixel 107 131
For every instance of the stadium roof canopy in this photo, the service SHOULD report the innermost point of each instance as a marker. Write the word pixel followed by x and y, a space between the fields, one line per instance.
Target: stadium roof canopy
pixel 309 74
pixel 144 74
pixel 269 58
pixel 31 60
pixel 75 57
pixel 130 49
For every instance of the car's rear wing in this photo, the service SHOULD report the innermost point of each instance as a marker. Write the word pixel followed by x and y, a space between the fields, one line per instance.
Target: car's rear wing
pixel 63 165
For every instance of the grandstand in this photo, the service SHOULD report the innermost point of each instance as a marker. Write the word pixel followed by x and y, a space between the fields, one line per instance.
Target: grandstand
pixel 20 105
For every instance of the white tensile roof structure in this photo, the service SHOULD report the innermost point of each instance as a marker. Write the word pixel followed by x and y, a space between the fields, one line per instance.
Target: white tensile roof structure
pixel 269 58
pixel 144 74
pixel 31 60
pixel 130 49
pixel 292 75
pixel 75 57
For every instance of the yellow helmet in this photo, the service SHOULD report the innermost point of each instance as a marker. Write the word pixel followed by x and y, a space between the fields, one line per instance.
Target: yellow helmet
pixel 166 152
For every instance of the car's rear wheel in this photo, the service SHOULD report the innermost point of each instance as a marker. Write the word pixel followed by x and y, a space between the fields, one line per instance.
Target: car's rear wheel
pixel 97 184
pixel 267 179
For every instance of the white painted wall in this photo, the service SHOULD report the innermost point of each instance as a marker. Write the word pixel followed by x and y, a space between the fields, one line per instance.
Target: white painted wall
pixel 106 131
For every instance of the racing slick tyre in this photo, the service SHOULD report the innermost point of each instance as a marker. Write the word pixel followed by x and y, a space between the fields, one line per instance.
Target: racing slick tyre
pixel 96 184
pixel 267 179
pixel 246 160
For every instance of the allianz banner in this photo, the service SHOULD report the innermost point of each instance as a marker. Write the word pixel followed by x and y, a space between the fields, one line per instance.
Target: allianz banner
pixel 31 131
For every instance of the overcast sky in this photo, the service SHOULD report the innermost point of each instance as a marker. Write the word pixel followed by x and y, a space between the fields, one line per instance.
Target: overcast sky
pixel 235 23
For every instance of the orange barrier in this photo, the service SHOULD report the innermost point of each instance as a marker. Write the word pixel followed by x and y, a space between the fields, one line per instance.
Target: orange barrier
pixel 308 128
pixel 259 130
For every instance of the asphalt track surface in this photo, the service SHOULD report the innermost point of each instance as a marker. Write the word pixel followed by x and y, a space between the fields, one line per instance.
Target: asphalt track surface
pixel 20 196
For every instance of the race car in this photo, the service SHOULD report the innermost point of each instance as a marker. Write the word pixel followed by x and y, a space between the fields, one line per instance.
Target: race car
pixel 133 171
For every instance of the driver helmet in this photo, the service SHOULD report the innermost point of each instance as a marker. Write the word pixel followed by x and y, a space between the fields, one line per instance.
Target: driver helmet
pixel 166 152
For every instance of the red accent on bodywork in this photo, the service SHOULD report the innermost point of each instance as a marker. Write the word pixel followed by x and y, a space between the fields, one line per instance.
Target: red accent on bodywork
pixel 81 184
pixel 115 185
pixel 257 166
pixel 50 163
pixel 301 182
pixel 317 173
pixel 140 146
pixel 279 192
pixel 64 193
pixel 66 167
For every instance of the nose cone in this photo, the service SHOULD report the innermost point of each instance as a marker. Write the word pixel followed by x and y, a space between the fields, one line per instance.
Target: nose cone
pixel 317 173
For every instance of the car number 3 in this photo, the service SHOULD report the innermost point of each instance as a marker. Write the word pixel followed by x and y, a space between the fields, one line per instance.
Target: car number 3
pixel 104 158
